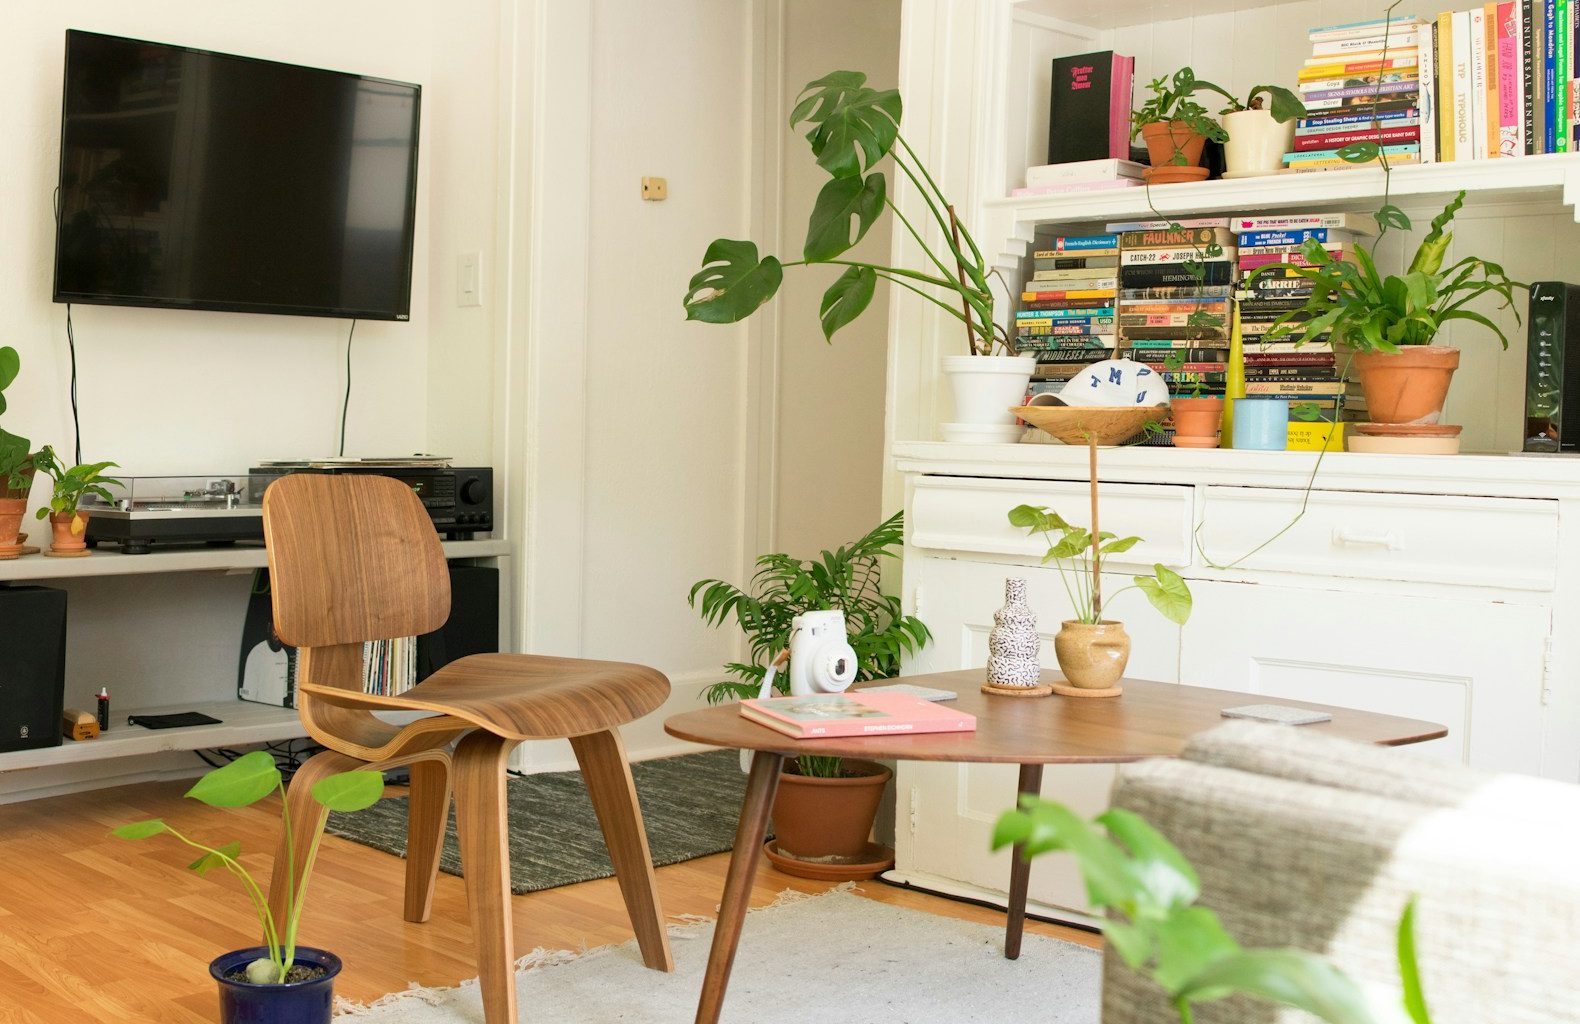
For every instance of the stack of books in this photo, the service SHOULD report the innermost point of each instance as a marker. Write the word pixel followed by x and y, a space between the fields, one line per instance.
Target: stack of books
pixel 1175 286
pixel 389 666
pixel 1363 83
pixel 1066 316
pixel 1506 79
pixel 1081 176
pixel 1306 374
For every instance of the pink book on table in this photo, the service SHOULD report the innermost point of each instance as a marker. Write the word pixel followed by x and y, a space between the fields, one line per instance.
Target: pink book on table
pixel 1510 90
pixel 855 713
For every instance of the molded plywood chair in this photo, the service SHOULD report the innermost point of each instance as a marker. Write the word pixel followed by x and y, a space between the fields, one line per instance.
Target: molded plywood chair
pixel 355 558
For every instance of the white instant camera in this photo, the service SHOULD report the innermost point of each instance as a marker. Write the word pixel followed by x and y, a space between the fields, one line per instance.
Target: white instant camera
pixel 821 659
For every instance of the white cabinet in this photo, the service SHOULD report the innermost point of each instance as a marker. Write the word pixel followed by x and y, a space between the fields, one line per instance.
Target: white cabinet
pixel 1474 665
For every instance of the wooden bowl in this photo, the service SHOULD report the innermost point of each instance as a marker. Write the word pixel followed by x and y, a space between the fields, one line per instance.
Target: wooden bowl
pixel 1074 424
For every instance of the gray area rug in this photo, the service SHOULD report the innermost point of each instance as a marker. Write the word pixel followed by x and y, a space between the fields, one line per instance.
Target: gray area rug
pixel 691 805
pixel 837 958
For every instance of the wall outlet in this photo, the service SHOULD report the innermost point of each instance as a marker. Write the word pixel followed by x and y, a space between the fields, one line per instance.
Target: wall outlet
pixel 468 279
pixel 655 189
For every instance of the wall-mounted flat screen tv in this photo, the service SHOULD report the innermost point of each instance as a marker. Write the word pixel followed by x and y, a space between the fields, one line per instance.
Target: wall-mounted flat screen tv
pixel 202 180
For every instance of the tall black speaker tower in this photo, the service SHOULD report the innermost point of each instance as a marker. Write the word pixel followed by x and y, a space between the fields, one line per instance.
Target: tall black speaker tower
pixel 32 666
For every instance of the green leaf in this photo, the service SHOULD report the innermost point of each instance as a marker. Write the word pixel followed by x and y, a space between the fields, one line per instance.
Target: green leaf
pixel 141 829
pixel 1070 545
pixel 1131 942
pixel 732 283
pixel 1390 216
pixel 1290 977
pixel 10 366
pixel 1409 970
pixel 1115 547
pixel 1285 106
pixel 1189 940
pixel 1305 411
pixel 1165 875
pixel 828 234
pixel 1167 592
pixel 1360 152
pixel 349 791
pixel 1037 519
pixel 1043 826
pixel 847 298
pixel 244 781
pixel 209 861
pixel 854 126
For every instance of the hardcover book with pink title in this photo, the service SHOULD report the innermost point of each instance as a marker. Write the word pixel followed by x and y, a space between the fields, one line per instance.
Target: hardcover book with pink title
pixel 854 713
pixel 1089 107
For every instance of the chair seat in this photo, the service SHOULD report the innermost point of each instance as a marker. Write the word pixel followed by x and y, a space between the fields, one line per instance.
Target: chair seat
pixel 523 696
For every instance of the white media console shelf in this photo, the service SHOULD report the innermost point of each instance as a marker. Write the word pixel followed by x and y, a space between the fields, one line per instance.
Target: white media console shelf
pixel 241 722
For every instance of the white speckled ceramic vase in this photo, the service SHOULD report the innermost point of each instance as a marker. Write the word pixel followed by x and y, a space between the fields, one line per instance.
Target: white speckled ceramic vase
pixel 1014 643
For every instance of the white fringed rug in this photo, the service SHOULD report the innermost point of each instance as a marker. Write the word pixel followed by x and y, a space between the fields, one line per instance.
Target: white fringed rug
pixel 834 958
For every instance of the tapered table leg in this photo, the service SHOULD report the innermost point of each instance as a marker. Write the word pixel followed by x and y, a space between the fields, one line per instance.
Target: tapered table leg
pixel 1020 871
pixel 749 838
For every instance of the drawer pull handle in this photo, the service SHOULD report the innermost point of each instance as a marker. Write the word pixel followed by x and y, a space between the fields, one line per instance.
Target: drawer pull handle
pixel 1357 539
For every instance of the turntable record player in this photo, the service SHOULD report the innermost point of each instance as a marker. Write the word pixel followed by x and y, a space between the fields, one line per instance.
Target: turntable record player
pixel 172 510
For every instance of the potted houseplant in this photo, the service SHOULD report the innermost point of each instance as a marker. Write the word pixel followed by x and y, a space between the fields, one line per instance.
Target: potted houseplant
pixel 825 806
pixel 1092 650
pixel 1198 420
pixel 68 522
pixel 851 128
pixel 1391 321
pixel 16 464
pixel 1259 135
pixel 1175 128
pixel 278 982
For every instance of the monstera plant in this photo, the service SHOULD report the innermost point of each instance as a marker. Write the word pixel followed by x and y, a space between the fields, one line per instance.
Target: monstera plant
pixel 851 128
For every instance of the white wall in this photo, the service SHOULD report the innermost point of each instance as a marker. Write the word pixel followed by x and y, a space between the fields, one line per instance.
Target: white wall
pixel 830 437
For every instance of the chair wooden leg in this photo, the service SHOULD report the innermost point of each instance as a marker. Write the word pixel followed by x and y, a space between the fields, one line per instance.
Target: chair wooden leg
pixel 608 774
pixel 305 819
pixel 427 813
pixel 485 858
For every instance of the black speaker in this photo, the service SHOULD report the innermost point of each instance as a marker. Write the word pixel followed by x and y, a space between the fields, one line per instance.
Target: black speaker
pixel 32 667
pixel 1552 368
pixel 474 620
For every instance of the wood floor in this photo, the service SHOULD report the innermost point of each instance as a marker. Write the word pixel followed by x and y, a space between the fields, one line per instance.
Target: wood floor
pixel 93 928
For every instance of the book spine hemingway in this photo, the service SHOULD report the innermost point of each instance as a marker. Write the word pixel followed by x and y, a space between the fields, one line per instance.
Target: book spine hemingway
pixel 1216 272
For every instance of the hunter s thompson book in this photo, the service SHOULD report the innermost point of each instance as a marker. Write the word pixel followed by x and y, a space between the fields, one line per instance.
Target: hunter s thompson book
pixel 854 713
pixel 1089 107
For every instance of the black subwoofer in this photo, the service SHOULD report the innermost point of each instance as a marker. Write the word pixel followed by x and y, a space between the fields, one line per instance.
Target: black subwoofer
pixel 32 666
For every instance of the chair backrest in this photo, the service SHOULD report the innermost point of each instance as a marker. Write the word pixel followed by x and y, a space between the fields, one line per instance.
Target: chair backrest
pixel 352 557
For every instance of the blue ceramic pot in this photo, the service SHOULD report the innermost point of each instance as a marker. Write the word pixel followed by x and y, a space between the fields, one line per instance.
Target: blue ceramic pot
pixel 1261 424
pixel 241 1002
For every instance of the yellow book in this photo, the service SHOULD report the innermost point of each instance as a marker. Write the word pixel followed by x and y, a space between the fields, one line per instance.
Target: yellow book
pixel 1315 437
pixel 1491 37
pixel 1404 63
pixel 1445 85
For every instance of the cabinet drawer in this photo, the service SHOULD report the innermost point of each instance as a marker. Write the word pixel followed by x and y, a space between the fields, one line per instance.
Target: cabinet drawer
pixel 1498 542
pixel 968 514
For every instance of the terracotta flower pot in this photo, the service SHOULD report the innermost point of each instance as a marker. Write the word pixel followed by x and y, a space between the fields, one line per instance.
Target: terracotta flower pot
pixel 1092 656
pixel 11 512
pixel 70 531
pixel 828 817
pixel 1163 141
pixel 1197 421
pixel 1408 386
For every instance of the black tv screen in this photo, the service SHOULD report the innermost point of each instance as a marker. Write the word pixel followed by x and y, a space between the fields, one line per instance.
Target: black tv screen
pixel 204 180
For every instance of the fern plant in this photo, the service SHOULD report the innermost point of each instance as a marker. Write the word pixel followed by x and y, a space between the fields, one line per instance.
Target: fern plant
pixel 783 587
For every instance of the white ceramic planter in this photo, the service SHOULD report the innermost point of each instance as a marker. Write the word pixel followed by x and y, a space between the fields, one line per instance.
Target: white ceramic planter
pixel 1257 143
pixel 985 389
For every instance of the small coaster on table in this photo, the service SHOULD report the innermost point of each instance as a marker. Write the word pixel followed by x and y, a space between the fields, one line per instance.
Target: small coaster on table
pixel 52 553
pixel 1040 690
pixel 1081 691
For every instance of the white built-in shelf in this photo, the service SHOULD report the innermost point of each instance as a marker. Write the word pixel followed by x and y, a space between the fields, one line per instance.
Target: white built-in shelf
pixel 109 561
pixel 1513 476
pixel 1102 14
pixel 240 723
pixel 1536 182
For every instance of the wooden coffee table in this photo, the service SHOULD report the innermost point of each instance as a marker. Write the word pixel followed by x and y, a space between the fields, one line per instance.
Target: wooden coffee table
pixel 1148 720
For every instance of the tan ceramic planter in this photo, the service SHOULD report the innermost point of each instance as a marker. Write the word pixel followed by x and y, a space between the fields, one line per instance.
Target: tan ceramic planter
pixel 828 817
pixel 70 532
pixel 1092 656
pixel 1407 386
pixel 1197 421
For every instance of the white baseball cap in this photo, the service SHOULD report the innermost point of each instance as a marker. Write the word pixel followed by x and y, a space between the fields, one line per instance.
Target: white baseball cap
pixel 1116 382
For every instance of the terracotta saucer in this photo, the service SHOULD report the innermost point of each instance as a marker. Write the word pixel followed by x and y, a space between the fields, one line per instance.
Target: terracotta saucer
pixel 1407 429
pixel 870 863
pixel 1170 174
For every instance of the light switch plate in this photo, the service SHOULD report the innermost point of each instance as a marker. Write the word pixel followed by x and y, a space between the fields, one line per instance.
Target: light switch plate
pixel 655 189
pixel 468 278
